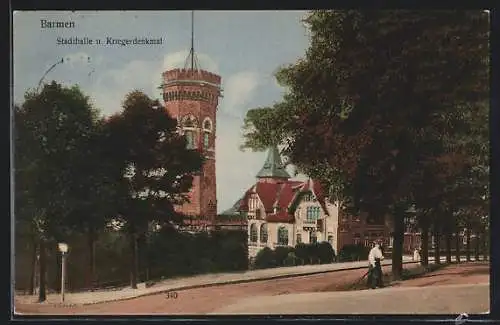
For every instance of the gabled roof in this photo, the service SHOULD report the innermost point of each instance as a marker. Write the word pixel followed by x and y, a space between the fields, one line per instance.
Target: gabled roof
pixel 273 166
pixel 315 188
pixel 267 193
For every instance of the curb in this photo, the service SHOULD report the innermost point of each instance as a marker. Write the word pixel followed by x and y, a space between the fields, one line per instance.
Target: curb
pixel 207 285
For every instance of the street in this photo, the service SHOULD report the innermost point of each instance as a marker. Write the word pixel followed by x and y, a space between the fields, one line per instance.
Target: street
pixel 214 299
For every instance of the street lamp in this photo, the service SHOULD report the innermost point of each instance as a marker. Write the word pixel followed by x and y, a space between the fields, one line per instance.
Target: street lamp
pixel 63 248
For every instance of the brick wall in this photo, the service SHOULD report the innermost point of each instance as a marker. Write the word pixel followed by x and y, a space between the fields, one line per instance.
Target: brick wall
pixel 196 93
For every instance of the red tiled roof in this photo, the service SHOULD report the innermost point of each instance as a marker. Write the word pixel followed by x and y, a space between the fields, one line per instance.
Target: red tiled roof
pixel 282 194
pixel 282 216
pixel 267 193
pixel 317 189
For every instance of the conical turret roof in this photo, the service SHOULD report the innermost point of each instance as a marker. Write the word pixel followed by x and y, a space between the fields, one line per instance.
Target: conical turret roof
pixel 273 167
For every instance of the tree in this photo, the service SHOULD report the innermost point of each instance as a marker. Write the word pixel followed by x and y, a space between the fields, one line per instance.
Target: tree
pixel 156 167
pixel 367 104
pixel 51 128
pixel 97 190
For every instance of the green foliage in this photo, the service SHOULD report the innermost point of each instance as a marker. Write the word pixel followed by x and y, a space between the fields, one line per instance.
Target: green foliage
pixel 281 253
pixel 374 108
pixel 350 253
pixel 158 169
pixel 265 258
pixel 51 129
pixel 291 260
pixel 326 253
pixel 168 254
pixel 301 252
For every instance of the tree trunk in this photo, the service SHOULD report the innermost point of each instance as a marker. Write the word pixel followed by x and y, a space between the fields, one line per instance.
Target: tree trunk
pixel 457 242
pixel 484 249
pixel 448 246
pixel 397 246
pixel 425 243
pixel 437 247
pixel 467 247
pixel 33 269
pixel 477 247
pixel 91 247
pixel 133 261
pixel 42 293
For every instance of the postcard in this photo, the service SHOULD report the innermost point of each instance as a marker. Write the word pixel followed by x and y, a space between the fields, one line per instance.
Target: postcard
pixel 250 162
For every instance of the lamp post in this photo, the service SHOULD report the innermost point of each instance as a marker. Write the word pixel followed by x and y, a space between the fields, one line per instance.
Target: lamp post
pixel 63 248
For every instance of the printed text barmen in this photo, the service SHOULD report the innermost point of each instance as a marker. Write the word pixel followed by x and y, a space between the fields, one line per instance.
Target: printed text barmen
pixel 56 24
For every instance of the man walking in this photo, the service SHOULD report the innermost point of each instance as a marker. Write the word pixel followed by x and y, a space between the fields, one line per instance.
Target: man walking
pixel 374 267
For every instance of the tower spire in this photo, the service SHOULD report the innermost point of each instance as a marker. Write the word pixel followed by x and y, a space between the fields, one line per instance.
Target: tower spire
pixel 273 166
pixel 192 60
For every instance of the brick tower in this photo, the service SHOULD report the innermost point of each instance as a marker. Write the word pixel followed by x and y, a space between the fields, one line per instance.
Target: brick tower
pixel 191 95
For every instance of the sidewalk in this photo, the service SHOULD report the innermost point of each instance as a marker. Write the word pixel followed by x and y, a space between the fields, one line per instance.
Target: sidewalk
pixel 200 281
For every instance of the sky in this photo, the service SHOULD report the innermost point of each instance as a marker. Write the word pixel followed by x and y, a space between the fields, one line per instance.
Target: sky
pixel 244 47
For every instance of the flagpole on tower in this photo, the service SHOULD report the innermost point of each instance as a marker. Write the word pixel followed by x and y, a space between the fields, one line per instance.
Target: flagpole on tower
pixel 192 39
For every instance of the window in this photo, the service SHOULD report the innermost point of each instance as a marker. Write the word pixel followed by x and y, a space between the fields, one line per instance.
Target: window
pixel 253 233
pixel 312 214
pixel 207 125
pixel 257 213
pixel 357 239
pixel 263 233
pixel 299 238
pixel 253 203
pixel 282 236
pixel 313 238
pixel 205 140
pixel 190 139
pixel 189 121
pixel 309 197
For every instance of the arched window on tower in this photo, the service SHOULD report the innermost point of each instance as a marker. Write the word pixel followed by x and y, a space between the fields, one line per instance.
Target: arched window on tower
pixel 189 121
pixel 206 140
pixel 189 139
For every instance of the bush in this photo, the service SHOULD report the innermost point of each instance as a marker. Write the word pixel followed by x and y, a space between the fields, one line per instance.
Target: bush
pixel 231 250
pixel 313 253
pixel 281 253
pixel 291 259
pixel 265 258
pixel 326 253
pixel 301 253
pixel 350 253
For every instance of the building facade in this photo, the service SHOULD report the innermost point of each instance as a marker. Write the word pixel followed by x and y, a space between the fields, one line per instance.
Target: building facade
pixel 280 211
pixel 192 96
